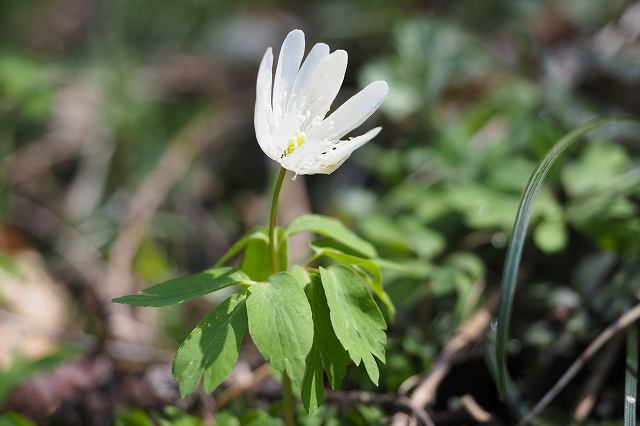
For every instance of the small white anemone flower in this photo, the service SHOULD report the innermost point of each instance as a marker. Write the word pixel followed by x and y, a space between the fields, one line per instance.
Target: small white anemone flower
pixel 290 111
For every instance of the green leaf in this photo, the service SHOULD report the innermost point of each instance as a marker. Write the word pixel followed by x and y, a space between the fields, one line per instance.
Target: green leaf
pixel 483 207
pixel 179 290
pixel 178 418
pixel 150 264
pixel 373 277
pixel 27 83
pixel 425 241
pixel 256 262
pixel 326 347
pixel 355 317
pixel 264 419
pixel 212 347
pixel 334 355
pixel 312 391
pixel 225 418
pixel 133 417
pixel 280 323
pixel 599 165
pixel 512 175
pixel 256 233
pixel 550 236
pixel 330 227
pixel 403 233
pixel 301 275
pixel 14 419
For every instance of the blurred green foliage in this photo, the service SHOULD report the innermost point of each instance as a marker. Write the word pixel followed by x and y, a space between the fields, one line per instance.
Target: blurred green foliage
pixel 479 91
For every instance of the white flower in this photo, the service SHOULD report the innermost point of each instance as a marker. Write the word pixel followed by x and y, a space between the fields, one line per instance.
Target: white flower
pixel 290 123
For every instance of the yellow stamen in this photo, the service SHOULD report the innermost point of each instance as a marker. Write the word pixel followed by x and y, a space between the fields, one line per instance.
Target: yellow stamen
pixel 295 142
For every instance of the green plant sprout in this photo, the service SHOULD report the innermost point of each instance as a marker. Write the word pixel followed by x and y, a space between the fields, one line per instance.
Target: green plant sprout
pixel 306 317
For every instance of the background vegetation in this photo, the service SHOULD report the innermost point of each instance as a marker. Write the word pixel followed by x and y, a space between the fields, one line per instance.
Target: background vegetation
pixel 128 156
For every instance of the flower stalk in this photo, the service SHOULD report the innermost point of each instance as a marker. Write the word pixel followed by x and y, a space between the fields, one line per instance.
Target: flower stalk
pixel 287 395
pixel 273 249
pixel 293 129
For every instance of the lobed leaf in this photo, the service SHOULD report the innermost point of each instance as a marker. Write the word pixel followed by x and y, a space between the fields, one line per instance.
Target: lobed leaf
pixel 355 317
pixel 373 276
pixel 325 341
pixel 179 290
pixel 280 323
pixel 312 390
pixel 212 347
pixel 330 227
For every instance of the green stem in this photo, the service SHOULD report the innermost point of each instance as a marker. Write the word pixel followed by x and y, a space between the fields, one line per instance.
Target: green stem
pixel 312 259
pixel 272 222
pixel 287 395
pixel 287 400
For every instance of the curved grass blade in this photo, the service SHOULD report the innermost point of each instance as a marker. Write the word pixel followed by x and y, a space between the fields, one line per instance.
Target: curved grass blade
pixel 511 394
pixel 516 242
pixel 631 377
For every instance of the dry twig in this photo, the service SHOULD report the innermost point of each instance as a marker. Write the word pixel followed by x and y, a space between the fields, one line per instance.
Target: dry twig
pixel 624 321
pixel 258 375
pixel 590 393
pixel 454 352
pixel 475 410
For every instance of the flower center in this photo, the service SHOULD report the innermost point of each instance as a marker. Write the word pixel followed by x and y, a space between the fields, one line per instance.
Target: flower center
pixel 295 142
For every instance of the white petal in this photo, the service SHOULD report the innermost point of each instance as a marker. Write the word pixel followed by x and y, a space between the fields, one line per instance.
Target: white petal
pixel 283 132
pixel 288 64
pixel 318 53
pixel 302 157
pixel 262 114
pixel 333 167
pixel 335 158
pixel 353 112
pixel 325 83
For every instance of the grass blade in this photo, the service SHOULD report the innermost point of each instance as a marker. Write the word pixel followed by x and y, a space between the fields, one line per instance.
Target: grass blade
pixel 631 377
pixel 516 242
pixel 511 394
